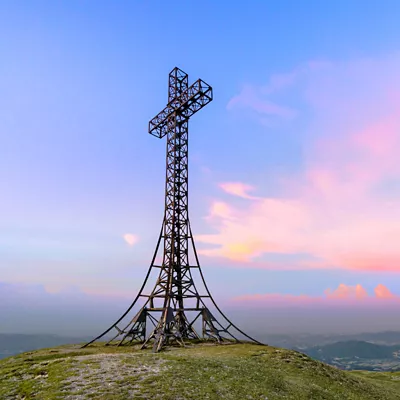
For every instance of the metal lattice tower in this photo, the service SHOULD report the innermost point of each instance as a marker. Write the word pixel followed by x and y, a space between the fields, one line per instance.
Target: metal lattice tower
pixel 175 295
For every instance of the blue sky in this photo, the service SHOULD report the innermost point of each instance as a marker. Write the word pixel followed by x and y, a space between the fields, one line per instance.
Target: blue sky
pixel 78 170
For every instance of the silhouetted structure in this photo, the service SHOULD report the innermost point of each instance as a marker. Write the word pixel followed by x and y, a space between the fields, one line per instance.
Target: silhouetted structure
pixel 175 295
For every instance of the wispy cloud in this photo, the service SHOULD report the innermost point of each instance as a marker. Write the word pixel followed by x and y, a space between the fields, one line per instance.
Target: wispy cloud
pixel 238 189
pixel 252 98
pixel 260 98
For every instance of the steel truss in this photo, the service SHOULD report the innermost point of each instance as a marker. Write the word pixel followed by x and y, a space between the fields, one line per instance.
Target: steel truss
pixel 175 287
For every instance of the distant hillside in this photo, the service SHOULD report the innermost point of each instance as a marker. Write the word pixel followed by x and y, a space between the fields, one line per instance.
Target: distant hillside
pixel 307 340
pixel 388 337
pixel 198 371
pixel 351 349
pixel 15 343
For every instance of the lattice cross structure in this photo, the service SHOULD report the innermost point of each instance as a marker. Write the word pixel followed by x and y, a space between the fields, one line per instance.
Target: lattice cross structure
pixel 175 296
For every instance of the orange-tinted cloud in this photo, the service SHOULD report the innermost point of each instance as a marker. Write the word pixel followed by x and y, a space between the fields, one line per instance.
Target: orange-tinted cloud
pixel 383 292
pixel 245 236
pixel 343 207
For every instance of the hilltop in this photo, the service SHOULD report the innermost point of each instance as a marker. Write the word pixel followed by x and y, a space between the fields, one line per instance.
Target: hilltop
pixel 201 371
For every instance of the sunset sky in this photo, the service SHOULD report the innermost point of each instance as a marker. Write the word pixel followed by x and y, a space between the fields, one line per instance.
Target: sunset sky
pixel 294 167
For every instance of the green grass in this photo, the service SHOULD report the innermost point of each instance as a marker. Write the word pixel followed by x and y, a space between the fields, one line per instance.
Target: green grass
pixel 198 371
pixel 388 379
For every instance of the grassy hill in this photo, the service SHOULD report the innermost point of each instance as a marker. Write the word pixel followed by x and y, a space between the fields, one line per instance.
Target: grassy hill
pixel 197 372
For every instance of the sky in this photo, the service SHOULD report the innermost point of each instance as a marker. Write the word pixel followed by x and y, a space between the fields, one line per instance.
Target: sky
pixel 294 171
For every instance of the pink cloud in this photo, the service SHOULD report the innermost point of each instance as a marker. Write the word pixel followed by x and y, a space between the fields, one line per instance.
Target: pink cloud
pixel 339 207
pixel 130 239
pixel 239 237
pixel 343 294
pixel 273 300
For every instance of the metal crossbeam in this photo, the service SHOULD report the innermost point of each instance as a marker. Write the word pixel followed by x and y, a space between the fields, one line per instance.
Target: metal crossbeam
pixel 187 104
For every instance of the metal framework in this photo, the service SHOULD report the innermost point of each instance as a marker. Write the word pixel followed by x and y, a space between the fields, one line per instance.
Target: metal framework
pixel 175 295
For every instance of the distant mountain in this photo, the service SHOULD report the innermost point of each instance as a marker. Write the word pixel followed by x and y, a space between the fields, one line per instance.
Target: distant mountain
pixel 307 340
pixel 387 338
pixel 351 349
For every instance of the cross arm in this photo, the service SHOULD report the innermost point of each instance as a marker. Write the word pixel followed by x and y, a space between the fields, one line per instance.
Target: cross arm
pixel 194 99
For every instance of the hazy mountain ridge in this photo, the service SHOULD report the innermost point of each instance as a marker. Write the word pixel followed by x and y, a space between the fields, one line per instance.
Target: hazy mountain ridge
pixel 352 349
pixel 309 340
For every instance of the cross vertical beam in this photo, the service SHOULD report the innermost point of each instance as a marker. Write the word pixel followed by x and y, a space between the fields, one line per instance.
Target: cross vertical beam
pixel 175 286
pixel 176 272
